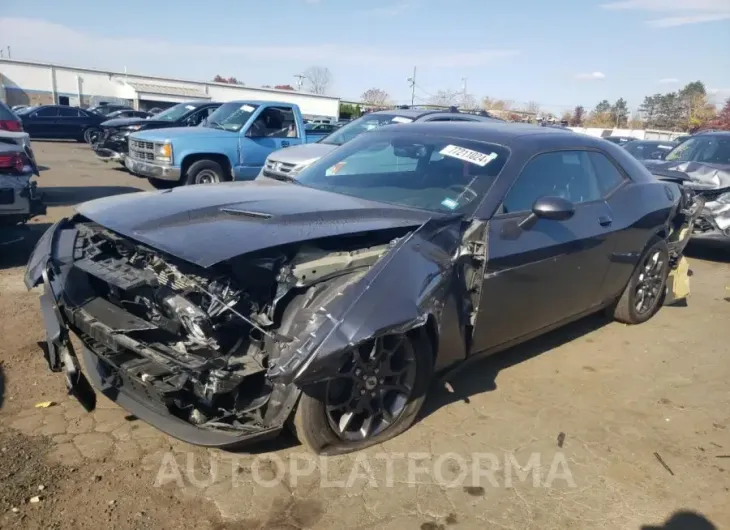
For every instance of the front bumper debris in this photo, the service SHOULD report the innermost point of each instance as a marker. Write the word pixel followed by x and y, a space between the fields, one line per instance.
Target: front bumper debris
pixel 115 363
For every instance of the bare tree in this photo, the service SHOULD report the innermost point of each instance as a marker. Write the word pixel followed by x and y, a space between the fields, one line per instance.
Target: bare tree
pixel 318 79
pixel 533 107
pixel 375 97
pixel 496 104
pixel 445 98
pixel 469 102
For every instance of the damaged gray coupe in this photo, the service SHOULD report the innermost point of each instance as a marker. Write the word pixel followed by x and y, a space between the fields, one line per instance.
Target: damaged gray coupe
pixel 703 163
pixel 223 314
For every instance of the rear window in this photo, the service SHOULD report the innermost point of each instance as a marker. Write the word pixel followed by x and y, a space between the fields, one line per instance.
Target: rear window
pixel 6 114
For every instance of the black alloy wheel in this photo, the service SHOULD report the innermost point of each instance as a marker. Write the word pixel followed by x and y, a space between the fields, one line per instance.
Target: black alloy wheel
pixel 373 388
pixel 650 284
pixel 644 294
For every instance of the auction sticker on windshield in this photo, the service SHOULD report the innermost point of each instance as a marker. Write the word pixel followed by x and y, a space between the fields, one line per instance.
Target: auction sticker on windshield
pixel 190 107
pixel 401 119
pixel 468 155
pixel 247 108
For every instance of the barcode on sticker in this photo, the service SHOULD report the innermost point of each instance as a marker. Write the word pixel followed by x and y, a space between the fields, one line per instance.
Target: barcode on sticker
pixel 468 155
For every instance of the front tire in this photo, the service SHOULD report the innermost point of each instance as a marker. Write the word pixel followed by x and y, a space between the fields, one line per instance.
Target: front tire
pixel 205 172
pixel 644 293
pixel 377 396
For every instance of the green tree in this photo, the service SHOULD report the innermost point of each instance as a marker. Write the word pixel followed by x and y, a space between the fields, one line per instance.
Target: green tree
pixel 620 113
pixel 577 119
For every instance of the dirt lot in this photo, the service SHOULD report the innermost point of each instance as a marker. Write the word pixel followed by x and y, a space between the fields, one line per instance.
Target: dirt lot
pixel 596 426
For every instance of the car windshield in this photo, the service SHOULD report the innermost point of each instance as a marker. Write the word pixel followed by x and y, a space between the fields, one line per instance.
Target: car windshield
pixel 707 149
pixel 231 116
pixel 175 112
pixel 643 150
pixel 428 172
pixel 361 125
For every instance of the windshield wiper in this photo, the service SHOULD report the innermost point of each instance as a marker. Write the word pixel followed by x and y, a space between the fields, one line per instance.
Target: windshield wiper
pixel 214 125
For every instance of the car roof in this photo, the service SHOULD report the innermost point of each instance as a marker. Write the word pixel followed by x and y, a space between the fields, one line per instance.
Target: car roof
pixel 711 133
pixel 417 114
pixel 495 132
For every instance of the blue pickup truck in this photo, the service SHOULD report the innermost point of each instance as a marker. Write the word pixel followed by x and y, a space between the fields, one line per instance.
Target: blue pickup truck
pixel 231 144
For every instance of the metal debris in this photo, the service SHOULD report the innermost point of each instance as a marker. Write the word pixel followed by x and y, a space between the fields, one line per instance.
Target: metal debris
pixel 561 439
pixel 663 463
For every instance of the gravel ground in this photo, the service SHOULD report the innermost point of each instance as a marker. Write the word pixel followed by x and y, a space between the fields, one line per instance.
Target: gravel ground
pixel 596 426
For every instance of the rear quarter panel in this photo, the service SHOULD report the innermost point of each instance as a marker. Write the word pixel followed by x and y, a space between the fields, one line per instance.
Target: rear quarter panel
pixel 641 211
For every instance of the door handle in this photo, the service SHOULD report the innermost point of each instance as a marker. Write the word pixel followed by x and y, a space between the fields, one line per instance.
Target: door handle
pixel 605 220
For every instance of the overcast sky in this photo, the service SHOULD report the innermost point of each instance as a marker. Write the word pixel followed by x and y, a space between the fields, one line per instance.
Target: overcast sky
pixel 559 53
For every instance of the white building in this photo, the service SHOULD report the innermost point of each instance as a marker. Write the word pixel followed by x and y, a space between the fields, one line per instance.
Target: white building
pixel 31 83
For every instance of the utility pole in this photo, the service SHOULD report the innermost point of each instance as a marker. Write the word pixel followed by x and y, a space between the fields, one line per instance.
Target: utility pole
pixel 8 52
pixel 412 81
pixel 300 81
pixel 463 91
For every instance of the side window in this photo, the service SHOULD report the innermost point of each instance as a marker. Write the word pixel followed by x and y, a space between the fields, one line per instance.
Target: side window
pixel 67 112
pixel 48 112
pixel 607 174
pixel 275 122
pixel 566 174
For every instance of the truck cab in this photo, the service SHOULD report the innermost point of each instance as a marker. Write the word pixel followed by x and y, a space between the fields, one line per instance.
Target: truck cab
pixel 232 144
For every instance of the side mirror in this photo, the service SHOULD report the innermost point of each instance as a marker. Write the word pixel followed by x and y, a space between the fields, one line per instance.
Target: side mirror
pixel 550 208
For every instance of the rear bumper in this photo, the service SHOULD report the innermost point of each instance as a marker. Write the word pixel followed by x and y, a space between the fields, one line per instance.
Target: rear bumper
pixel 145 169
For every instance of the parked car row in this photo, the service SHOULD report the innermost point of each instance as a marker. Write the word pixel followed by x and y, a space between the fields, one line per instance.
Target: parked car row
pixel 20 200
pixel 330 300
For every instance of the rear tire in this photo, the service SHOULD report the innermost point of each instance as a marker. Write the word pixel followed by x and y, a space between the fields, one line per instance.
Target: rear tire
pixel 314 427
pixel 205 172
pixel 644 294
pixel 162 184
pixel 91 135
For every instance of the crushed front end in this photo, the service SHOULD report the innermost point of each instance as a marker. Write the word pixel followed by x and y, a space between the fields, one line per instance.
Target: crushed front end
pixel 182 347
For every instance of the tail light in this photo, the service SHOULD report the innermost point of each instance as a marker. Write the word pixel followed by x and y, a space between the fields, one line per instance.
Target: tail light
pixel 16 161
pixel 11 125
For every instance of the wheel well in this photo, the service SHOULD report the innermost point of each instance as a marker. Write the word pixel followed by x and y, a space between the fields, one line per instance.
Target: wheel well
pixel 215 157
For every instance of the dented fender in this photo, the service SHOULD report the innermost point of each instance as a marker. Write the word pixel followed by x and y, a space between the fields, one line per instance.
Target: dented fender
pixel 414 282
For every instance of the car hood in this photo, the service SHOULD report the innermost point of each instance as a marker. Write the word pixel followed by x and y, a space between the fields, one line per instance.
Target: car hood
pixel 208 224
pixel 178 132
pixel 302 153
pixel 701 175
pixel 123 122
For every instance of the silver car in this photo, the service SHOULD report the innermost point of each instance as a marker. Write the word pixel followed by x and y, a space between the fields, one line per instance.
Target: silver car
pixel 286 164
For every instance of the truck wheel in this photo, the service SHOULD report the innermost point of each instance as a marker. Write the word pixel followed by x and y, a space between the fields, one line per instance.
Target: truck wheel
pixel 162 184
pixel 205 172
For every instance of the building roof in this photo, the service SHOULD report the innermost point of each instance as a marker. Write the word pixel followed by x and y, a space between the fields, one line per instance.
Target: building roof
pixel 167 90
pixel 156 78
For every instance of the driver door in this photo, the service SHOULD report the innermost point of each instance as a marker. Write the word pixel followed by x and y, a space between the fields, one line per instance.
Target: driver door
pixel 540 276
pixel 271 129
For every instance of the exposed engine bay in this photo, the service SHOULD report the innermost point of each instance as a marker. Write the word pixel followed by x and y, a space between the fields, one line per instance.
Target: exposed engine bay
pixel 198 341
